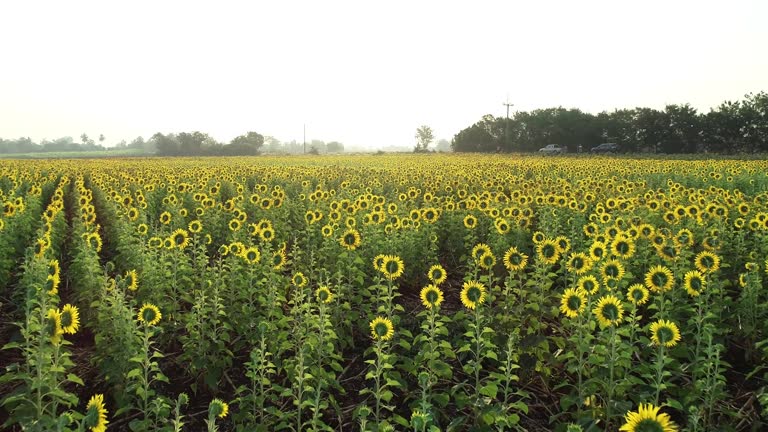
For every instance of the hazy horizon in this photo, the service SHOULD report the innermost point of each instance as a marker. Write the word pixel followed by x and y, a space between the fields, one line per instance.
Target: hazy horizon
pixel 363 74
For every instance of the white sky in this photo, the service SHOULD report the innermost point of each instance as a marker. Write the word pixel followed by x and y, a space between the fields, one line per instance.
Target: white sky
pixel 363 73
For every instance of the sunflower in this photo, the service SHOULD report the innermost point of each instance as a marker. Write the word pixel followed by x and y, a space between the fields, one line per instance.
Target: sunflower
pixel 234 225
pixel 279 258
pixel 659 278
pixel 437 274
pixel 665 333
pixel 299 280
pixel 573 302
pixel 612 269
pixel 470 222
pixel 608 311
pixel 236 248
pixel 94 241
pixel 165 218
pixel 180 238
pixel 538 237
pixel 324 295
pixel 218 408
pixel 70 319
pixel 638 294
pixel 479 250
pixel 431 296
pixel 53 268
pixel 486 261
pixel 589 284
pixel 473 294
pixel 548 251
pixel 52 284
pixel 53 326
pixel 378 260
pixel 382 328
pixel 694 283
pixel 578 263
pixel 41 245
pixel 132 280
pixel 623 247
pixel 515 260
pixel 251 255
pixel 597 251
pixel 350 239
pixel 155 243
pixel 563 244
pixel 707 262
pixel 647 418
pixel 392 267
pixel 142 229
pixel 195 226
pixel 149 314
pixel 95 414
pixel 327 230
pixel 267 234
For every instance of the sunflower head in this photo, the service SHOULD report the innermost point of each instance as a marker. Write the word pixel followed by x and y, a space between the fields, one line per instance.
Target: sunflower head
pixel 96 414
pixel 251 255
pixel 431 296
pixel 647 418
pixel 180 238
pixel 707 262
pixel 70 319
pixel 638 294
pixel 218 408
pixel 515 260
pixel 694 283
pixel 589 284
pixel 612 269
pixel 665 333
pixel 52 284
pixel 437 274
pixel 573 302
pixel 548 251
pixel 53 326
pixel 279 258
pixel 350 239
pixel 473 294
pixel 578 263
pixel 659 278
pixel 299 280
pixel 392 267
pixel 382 329
pixel 149 314
pixel 324 295
pixel 609 311
pixel 486 261
pixel 132 280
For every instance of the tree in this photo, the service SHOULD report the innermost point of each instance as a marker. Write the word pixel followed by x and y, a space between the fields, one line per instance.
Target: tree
pixel 443 145
pixel 424 138
pixel 335 147
pixel 248 144
pixel 101 139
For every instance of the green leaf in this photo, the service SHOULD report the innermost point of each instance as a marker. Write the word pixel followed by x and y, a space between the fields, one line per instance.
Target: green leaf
pixel 489 390
pixel 75 379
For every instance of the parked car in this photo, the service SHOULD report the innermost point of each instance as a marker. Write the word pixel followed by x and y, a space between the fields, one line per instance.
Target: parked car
pixel 552 149
pixel 605 148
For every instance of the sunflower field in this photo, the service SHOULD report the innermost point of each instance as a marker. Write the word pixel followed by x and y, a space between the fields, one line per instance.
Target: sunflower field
pixel 384 293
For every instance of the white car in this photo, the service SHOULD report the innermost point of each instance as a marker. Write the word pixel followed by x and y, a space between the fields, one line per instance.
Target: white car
pixel 552 149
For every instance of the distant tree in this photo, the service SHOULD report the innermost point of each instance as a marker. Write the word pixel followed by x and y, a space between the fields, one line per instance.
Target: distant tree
pixel 443 145
pixel 248 144
pixel 424 137
pixel 137 143
pixel 101 139
pixel 166 145
pixel 335 147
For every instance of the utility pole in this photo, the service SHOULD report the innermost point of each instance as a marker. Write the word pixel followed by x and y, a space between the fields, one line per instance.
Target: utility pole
pixel 305 138
pixel 506 126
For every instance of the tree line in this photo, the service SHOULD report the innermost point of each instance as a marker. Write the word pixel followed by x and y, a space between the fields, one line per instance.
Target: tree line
pixel 175 144
pixel 732 127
